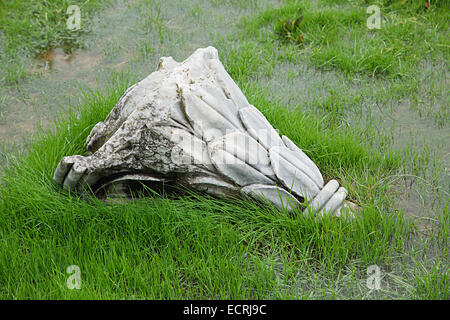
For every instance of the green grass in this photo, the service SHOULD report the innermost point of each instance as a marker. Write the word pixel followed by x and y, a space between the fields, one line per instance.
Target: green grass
pixel 199 247
pixel 335 34
pixel 412 43
pixel 191 247
pixel 29 28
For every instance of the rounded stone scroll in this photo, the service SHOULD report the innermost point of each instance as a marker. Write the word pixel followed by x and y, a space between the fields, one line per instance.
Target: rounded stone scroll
pixel 188 124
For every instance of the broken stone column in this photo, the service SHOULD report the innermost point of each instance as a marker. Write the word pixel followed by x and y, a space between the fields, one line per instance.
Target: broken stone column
pixel 188 124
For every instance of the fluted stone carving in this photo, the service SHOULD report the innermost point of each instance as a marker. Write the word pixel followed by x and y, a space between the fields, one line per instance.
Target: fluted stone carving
pixel 188 124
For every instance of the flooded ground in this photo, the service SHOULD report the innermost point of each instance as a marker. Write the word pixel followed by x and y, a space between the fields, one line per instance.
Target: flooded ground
pixel 132 36
pixel 126 36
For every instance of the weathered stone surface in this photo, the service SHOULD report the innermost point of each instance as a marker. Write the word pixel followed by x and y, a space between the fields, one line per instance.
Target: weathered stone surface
pixel 278 196
pixel 293 173
pixel 324 195
pixel 188 124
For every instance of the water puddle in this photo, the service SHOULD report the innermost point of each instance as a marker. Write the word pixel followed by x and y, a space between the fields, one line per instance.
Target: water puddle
pixel 134 35
pixel 54 59
pixel 61 64
pixel 56 77
pixel 127 35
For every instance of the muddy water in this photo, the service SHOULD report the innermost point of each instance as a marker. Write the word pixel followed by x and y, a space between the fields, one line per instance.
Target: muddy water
pixel 133 35
pixel 421 194
pixel 57 63
pixel 129 35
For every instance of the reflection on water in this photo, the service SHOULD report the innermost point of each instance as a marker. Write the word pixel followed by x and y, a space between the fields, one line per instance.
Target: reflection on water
pixel 58 76
pixel 54 58
pixel 126 36
pixel 65 64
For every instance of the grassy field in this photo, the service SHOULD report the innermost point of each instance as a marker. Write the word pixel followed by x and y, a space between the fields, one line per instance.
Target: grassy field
pixel 340 39
pixel 334 35
pixel 320 92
